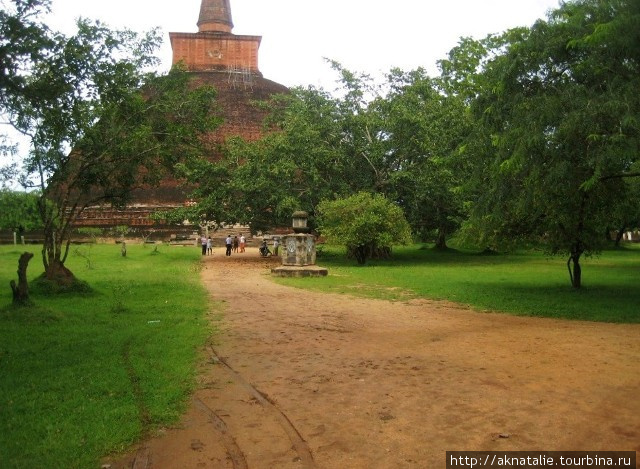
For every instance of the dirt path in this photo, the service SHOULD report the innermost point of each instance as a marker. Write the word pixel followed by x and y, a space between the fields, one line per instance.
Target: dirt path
pixel 307 380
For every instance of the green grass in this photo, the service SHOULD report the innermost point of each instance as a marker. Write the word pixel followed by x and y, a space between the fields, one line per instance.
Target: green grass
pixel 523 283
pixel 85 375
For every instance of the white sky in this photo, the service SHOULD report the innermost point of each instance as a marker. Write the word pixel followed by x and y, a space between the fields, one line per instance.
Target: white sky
pixel 369 36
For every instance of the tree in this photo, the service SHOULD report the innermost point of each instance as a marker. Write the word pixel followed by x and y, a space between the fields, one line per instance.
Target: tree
pixel 397 139
pixel 560 107
pixel 296 164
pixel 19 211
pixel 367 224
pixel 98 124
pixel 315 147
pixel 24 40
pixel 425 128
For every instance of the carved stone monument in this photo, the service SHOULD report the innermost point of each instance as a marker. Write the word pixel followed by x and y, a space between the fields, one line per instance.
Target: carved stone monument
pixel 299 251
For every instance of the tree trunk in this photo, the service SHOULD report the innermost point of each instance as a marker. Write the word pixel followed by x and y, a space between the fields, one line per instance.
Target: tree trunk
pixel 361 254
pixel 21 290
pixel 54 255
pixel 441 240
pixel 576 274
pixel 619 235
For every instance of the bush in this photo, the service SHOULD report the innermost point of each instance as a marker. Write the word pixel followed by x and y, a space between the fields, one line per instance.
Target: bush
pixel 367 224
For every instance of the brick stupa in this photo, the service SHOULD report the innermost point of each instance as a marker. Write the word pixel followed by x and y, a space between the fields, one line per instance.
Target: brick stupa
pixel 215 56
pixel 229 62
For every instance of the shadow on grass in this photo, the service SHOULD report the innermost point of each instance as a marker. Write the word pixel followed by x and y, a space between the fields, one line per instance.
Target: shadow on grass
pixel 592 302
pixel 427 255
pixel 28 314
pixel 522 283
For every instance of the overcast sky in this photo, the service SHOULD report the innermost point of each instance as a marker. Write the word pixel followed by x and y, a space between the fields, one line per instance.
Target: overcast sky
pixel 364 35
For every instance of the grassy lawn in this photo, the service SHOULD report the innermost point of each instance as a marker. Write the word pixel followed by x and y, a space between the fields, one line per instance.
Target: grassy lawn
pixel 523 283
pixel 84 375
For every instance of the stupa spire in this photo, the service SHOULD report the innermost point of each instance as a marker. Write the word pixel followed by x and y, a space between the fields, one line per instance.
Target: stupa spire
pixel 215 16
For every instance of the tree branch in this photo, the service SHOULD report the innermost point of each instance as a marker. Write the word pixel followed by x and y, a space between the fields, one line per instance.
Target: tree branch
pixel 620 176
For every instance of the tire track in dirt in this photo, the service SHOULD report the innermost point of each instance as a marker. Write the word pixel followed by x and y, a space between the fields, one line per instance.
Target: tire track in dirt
pixel 233 450
pixel 298 442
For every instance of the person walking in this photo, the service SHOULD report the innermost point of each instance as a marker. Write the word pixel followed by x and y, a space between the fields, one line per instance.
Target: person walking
pixel 229 244
pixel 203 242
pixel 209 246
pixel 243 242
pixel 235 244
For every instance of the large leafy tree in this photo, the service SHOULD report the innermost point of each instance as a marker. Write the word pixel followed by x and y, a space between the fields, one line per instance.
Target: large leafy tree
pixel 317 146
pixel 298 162
pixel 425 128
pixel 23 41
pixel 559 104
pixel 99 125
pixel 397 139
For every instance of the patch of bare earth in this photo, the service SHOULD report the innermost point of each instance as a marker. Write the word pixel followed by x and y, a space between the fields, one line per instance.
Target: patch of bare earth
pixel 298 379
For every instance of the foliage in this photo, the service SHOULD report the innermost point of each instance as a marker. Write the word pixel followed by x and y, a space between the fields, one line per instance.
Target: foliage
pixel 299 161
pixel 99 126
pixel 560 108
pixel 24 41
pixel 626 214
pixel 424 130
pixel 366 224
pixel 19 211
pixel 91 232
pixel 84 375
pixel 397 139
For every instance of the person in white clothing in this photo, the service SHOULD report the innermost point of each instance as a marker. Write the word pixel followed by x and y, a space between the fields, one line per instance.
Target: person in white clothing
pixel 229 243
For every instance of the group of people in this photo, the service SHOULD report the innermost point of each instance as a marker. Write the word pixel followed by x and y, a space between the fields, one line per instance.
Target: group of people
pixel 233 244
pixel 207 245
pixel 237 244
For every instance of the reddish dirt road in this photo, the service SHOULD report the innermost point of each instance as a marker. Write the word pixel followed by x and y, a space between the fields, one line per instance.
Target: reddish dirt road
pixel 307 380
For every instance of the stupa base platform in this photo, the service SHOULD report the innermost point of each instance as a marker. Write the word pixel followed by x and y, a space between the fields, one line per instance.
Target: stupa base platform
pixel 299 271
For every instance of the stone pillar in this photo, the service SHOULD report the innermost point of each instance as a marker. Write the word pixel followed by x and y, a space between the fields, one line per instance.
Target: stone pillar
pixel 298 249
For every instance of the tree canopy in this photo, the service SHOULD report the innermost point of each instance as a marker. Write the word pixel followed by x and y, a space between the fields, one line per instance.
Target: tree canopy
pixel 398 140
pixel 530 135
pixel 98 122
pixel 559 108
pixel 19 211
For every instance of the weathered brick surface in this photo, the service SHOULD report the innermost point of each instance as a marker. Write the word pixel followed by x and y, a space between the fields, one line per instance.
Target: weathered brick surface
pixel 215 51
pixel 237 97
